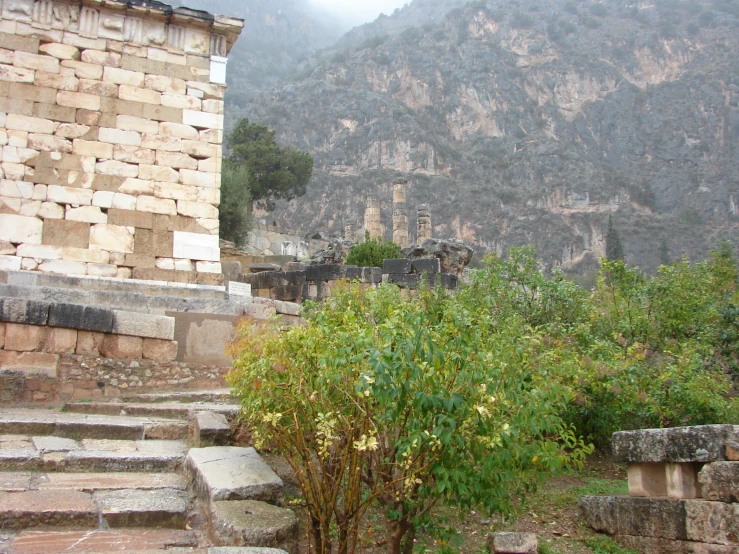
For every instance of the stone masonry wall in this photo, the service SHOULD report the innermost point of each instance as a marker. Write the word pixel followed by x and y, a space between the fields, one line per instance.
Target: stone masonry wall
pixel 111 125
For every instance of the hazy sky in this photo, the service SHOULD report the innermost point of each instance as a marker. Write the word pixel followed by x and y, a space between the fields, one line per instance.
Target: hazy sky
pixel 357 12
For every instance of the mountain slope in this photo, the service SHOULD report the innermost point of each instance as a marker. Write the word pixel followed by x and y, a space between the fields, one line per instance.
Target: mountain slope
pixel 531 123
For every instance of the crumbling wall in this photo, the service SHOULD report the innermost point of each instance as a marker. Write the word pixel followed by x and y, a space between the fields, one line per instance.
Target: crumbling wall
pixel 111 125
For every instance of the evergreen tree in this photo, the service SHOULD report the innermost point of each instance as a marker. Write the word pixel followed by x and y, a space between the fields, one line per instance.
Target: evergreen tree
pixel 234 213
pixel 614 248
pixel 664 253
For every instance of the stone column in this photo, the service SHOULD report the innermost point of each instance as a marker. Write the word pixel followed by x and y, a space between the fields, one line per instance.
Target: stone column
pixel 372 222
pixel 350 230
pixel 425 231
pixel 400 213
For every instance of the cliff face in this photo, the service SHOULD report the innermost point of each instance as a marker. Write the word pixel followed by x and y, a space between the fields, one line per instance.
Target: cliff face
pixel 531 123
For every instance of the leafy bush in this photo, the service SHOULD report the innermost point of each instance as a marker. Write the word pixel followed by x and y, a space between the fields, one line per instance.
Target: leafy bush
pixel 371 252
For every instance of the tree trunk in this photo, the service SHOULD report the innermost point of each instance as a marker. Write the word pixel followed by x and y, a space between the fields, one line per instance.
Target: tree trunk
pixel 396 532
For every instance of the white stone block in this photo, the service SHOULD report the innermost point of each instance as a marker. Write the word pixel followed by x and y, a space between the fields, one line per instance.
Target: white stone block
pixel 39 192
pixel 197 93
pixel 72 130
pixel 87 214
pixel 102 270
pixel 29 264
pixel 84 70
pixel 50 210
pixel 16 74
pixel 60 51
pixel 156 205
pixel 211 225
pixel 214 136
pixel 123 77
pixel 18 138
pixel 178 130
pixel 64 267
pixel 10 263
pixel 92 149
pixel 119 169
pixel 218 70
pixel 134 155
pixel 138 124
pixel 158 173
pixel 202 120
pixel 118 136
pixel 14 172
pixel 30 208
pixel 48 143
pixel 174 191
pixel 39 252
pixel 136 94
pixel 208 267
pixel 195 246
pixel 124 201
pixel 200 178
pixel 29 124
pixel 213 106
pixel 78 100
pixel 16 189
pixel 165 263
pixel 181 101
pixel 136 186
pixel 69 195
pixel 165 84
pixel 176 160
pixel 34 61
pixel 103 199
pixel 210 165
pixel 156 142
pixel 197 210
pixel 184 265
pixel 86 255
pixel 112 238
pixel 21 229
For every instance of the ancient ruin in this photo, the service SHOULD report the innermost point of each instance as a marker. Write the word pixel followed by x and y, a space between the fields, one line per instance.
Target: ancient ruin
pixel 373 218
pixel 400 213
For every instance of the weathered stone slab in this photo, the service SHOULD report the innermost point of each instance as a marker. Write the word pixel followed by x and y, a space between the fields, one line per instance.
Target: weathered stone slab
pixel 244 550
pixel 513 543
pixel 258 268
pixel 143 325
pixel 682 481
pixel 712 522
pixel 324 272
pixel 21 310
pixel 136 540
pixel 90 482
pixel 76 316
pixel 54 444
pixel 720 481
pixel 651 545
pixel 624 515
pixel 135 462
pixel 15 482
pixel 399 266
pixel 23 510
pixel 430 266
pixel 704 443
pixel 211 429
pixel 143 508
pixel 232 473
pixel 253 523
pixel 19 460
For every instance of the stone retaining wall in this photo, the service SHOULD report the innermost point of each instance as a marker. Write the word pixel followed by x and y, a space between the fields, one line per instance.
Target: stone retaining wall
pixel 268 240
pixel 111 125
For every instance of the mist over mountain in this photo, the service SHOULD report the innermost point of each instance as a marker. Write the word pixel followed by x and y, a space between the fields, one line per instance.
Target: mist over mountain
pixel 525 122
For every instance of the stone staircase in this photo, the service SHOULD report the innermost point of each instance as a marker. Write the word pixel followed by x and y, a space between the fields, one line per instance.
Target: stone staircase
pixel 148 473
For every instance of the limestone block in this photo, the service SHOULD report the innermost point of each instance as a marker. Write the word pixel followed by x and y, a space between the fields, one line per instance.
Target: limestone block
pixel 78 100
pixel 69 195
pixel 102 270
pixel 76 316
pixel 89 343
pixel 102 199
pixel 196 246
pixel 162 113
pixel 154 243
pixel 85 255
pixel 703 443
pixel 16 189
pixel 160 350
pixel 719 481
pixel 208 267
pixel 647 479
pixel 56 81
pixel 213 106
pixel 257 524
pixel 157 142
pixel 138 124
pixel 682 481
pixel 74 234
pixel 143 325
pixel 90 214
pixel 24 338
pixel 20 310
pixel 60 51
pixel 50 210
pixel 39 192
pixel 200 179
pixel 130 218
pixel 210 165
pixel 16 172
pixel 200 149
pixel 106 59
pixel 136 186
pixel 48 143
pixel 134 154
pixel 10 263
pixel 124 273
pixel 29 124
pixel 173 191
pixel 29 264
pixel 34 61
pixel 159 55
pixel 60 341
pixel 211 429
pixel 119 169
pixel 72 130
pixel 135 94
pixel 7 249
pixel 165 263
pixel 124 201
pixel 213 136
pixel 87 117
pixel 98 88
pixel 156 205
pixel 30 208
pixel 202 120
pixel 184 265
pixel 64 267
pixel 178 130
pixel 196 93
pixel 181 101
pixel 210 90
pixel 197 210
pixel 176 160
pixel 85 70
pixel 165 84
pixel 118 136
pixel 39 252
pixel 112 238
pixel 94 149
pixel 209 195
pixel 123 77
pixel 513 543
pixel 21 229
pixel 712 522
pixel 210 225
pixel 30 363
pixel 121 347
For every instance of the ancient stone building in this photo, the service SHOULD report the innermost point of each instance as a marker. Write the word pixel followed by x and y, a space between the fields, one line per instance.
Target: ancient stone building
pixel 372 218
pixel 111 125
pixel 400 213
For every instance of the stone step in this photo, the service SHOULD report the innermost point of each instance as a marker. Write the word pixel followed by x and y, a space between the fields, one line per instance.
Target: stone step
pixel 119 540
pixel 77 426
pixel 89 482
pixel 167 410
pixel 214 396
pixel 231 473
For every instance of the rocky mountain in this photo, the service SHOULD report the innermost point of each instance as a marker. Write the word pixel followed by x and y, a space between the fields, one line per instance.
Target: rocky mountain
pixel 529 122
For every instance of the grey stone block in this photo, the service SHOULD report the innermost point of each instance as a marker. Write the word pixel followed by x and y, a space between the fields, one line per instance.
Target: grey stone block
pixel 624 515
pixel 352 272
pixel 45 294
pixel 711 522
pixel 449 281
pixel 143 325
pixel 372 275
pixel 116 300
pixel 264 280
pixel 75 316
pixel 404 280
pixel 211 429
pixel 429 266
pixel 513 543
pixel 20 310
pixel 296 266
pixel 244 550
pixel 253 523
pixel 720 481
pixel 287 308
pixel 232 473
pixel 294 277
pixel 143 508
pixel 54 444
pixel 258 268
pixel 324 272
pixel 231 270
pixel 704 443
pixel 397 265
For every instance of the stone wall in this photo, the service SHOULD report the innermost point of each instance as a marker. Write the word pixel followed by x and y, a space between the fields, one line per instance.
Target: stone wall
pixel 683 492
pixel 111 125
pixel 268 240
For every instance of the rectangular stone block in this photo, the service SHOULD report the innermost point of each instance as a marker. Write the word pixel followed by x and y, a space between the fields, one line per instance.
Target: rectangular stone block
pixel 74 234
pixel 130 218
pixel 196 247
pixel 17 42
pixel 196 209
pixel 135 94
pixel 95 149
pixel 704 443
pixel 719 481
pixel 86 318
pixel 60 341
pixel 113 238
pixel 122 347
pixel 29 124
pixel 34 61
pixel 397 266
pixel 682 481
pixel 156 205
pixel 154 243
pixel 57 113
pixel 118 136
pixel 63 267
pixel 88 343
pixel 200 179
pixel 625 515
pixel 84 70
pixel 20 229
pixel 20 310
pixel 56 81
pixel 138 124
pixel 202 120
pixel 98 88
pixel 647 480
pixel 69 195
pixel 712 522
pixel 143 325
pixel 176 160
pixel 78 100
pixel 123 77
pixel 16 74
pixel 30 363
pixel 24 338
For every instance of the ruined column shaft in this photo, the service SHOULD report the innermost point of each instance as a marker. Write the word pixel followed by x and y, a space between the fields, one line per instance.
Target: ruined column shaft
pixel 372 223
pixel 400 213
pixel 425 231
pixel 350 230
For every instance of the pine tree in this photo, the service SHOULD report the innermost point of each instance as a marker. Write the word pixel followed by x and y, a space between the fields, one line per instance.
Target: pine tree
pixel 614 248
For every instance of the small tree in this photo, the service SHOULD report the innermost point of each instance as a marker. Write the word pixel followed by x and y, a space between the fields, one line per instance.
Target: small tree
pixel 614 248
pixel 371 252
pixel 234 212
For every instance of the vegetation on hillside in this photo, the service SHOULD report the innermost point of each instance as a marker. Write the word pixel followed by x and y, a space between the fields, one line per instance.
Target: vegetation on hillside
pixel 471 399
pixel 372 252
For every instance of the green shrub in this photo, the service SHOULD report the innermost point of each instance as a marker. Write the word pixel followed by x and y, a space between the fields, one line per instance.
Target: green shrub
pixel 234 213
pixel 372 252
